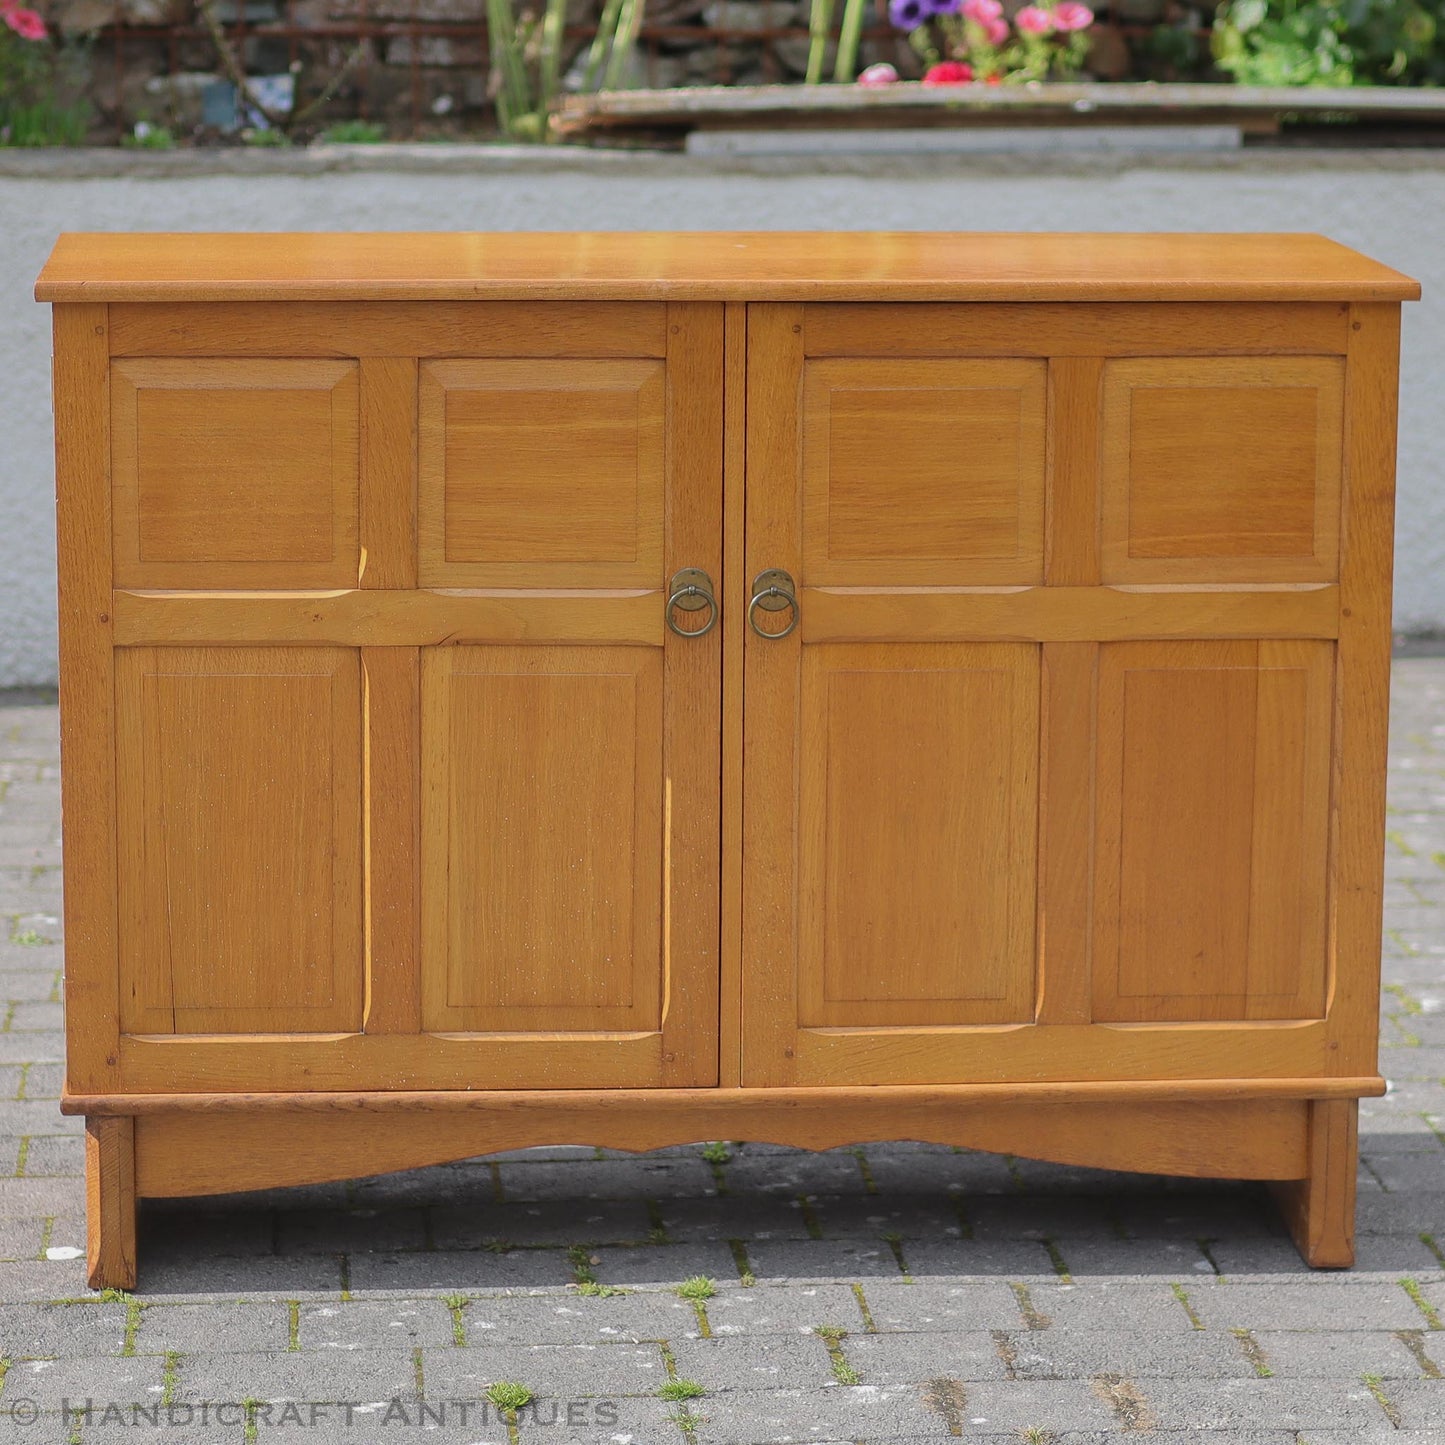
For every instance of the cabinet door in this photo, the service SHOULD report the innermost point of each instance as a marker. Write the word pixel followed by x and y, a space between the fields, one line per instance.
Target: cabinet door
pixel 890 818
pixel 1040 784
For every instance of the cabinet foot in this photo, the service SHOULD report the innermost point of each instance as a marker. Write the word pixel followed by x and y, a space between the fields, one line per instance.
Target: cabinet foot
pixel 1319 1210
pixel 110 1202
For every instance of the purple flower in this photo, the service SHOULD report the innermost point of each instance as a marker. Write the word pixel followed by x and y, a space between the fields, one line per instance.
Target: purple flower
pixel 944 7
pixel 909 14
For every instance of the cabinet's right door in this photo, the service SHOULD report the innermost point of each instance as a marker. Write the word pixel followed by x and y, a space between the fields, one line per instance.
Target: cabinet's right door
pixel 1039 787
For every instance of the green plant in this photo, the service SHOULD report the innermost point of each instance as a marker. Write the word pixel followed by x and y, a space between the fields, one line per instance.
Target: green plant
pixel 527 59
pixel 353 133
pixel 265 139
pixel 1323 42
pixel 509 1395
pixel 148 137
pixel 675 1390
pixel 699 1287
pixel 41 97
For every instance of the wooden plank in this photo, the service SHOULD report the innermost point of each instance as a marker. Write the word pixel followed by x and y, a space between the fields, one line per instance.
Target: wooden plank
pixel 1362 684
pixel 1066 832
pixel 692 700
pixel 392 801
pixel 197 1154
pixel 1067 614
pixel 1077 329
pixel 771 685
pixel 110 1196
pixel 733 597
pixel 711 266
pixel 388 472
pixel 1071 512
pixel 363 618
pixel 584 1104
pixel 87 695
pixel 390 329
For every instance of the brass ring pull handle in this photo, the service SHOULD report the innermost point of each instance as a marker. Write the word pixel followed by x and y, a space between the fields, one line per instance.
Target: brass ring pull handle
pixel 773 590
pixel 691 591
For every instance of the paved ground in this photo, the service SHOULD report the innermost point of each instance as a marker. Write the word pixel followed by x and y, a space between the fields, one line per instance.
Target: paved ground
pixel 889 1294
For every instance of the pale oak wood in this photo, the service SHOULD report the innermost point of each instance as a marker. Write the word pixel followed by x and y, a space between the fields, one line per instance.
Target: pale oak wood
pixel 1319 1208
pixel 1188 499
pixel 110 1199
pixel 391 772
pixel 1071 512
pixel 542 473
pixel 388 472
pixel 239 827
pixel 580 1105
pixel 713 266
pixel 1075 329
pixel 235 473
pixel 392 329
pixel 197 1154
pixel 87 694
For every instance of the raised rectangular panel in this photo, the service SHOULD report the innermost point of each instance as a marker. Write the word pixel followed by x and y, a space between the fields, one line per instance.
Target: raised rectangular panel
pixel 1212 819
pixel 1222 469
pixel 542 836
pixel 541 473
pixel 928 471
pixel 918 833
pixel 235 473
pixel 239 782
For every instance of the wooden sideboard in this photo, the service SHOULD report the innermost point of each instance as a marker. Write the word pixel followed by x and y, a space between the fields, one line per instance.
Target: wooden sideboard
pixel 631 689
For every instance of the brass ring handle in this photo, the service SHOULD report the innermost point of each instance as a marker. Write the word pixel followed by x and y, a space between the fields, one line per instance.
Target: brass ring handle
pixel 691 590
pixel 773 590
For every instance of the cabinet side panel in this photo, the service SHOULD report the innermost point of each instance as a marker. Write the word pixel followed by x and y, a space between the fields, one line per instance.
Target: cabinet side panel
pixel 87 703
pixel 1363 689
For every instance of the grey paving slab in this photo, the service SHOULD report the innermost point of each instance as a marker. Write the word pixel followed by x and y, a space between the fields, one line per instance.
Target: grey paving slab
pixel 364 1324
pixel 770 1309
pixel 235 1326
pixel 556 1371
pixel 446 1271
pixel 1345 1354
pixel 573 1318
pixel 941 1305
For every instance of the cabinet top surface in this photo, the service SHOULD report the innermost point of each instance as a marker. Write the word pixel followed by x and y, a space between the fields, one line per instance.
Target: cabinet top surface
pixel 713 266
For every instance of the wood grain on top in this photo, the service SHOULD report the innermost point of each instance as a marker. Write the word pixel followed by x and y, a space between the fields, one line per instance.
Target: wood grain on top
pixel 716 266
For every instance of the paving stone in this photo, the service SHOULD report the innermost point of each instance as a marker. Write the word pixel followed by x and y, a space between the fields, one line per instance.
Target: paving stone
pixel 1421 1403
pixel 822 1259
pixel 1241 1404
pixel 586 1180
pixel 1113 1305
pixel 1132 1258
pixel 751 1217
pixel 939 1305
pixel 1013 1406
pixel 339 1375
pixel 664 1264
pixel 824 1416
pixel 964 1173
pixel 1387 1255
pixel 557 1371
pixel 44 1279
pixel 76 1379
pixel 771 1309
pixel 546 1222
pixel 1341 1354
pixel 1001 1259
pixel 797 1172
pixel 447 1271
pixel 771 1362
pixel 178 1234
pixel 875 1216
pixel 29 986
pixel 356 1325
pixel 88 1328
pixel 237 1326
pixel 186 1277
pixel 899 1359
pixel 348 1231
pixel 1308 1305
pixel 1138 1355
pixel 579 1319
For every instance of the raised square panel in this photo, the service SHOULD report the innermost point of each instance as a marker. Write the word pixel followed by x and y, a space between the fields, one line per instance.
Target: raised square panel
pixel 918 850
pixel 1212 819
pixel 928 472
pixel 542 838
pixel 541 473
pixel 1222 469
pixel 235 474
pixel 239 839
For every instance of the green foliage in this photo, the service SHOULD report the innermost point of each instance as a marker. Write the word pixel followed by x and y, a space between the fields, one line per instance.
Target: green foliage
pixel 265 139
pixel 675 1390
pixel 41 101
pixel 147 137
pixel 699 1287
pixel 1316 42
pixel 509 1395
pixel 353 133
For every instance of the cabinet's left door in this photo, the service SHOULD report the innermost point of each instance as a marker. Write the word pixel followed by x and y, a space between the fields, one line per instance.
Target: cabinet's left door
pixel 385 770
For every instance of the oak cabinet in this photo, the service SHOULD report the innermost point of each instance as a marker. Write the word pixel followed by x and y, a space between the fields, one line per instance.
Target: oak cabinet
pixel 628 690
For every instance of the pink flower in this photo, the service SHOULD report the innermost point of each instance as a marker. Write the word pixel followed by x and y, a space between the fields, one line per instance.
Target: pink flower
pixel 1071 15
pixel 981 10
pixel 880 74
pixel 1034 21
pixel 25 23
pixel 996 30
pixel 949 72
